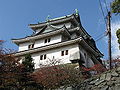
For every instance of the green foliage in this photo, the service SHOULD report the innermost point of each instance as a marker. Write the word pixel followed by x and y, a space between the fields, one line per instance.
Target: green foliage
pixel 116 9
pixel 118 35
pixel 28 63
pixel 116 6
pixel 119 41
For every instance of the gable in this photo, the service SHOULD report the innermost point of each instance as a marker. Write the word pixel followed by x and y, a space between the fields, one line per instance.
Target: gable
pixel 48 28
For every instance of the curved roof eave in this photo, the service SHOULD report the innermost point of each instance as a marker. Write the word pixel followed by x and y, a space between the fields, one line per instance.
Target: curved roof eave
pixel 60 44
pixel 51 46
pixel 53 21
pixel 62 30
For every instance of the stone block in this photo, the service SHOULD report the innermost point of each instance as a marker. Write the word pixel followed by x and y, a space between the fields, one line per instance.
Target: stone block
pixel 104 88
pixel 102 77
pixel 99 82
pixel 93 82
pixel 108 76
pixel 114 74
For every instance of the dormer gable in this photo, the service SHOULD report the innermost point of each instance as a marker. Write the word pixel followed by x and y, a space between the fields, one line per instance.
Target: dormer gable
pixel 48 28
pixel 43 34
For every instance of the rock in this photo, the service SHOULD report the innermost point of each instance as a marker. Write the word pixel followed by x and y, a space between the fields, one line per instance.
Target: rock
pixel 118 69
pixel 68 88
pixel 114 74
pixel 97 83
pixel 102 77
pixel 104 88
pixel 108 76
pixel 117 81
pixel 117 87
pixel 95 88
pixel 102 84
pixel 110 88
pixel 113 78
pixel 109 80
pixel 93 82
pixel 110 83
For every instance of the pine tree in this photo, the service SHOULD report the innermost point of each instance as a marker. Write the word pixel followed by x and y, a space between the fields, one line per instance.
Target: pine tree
pixel 28 67
pixel 28 63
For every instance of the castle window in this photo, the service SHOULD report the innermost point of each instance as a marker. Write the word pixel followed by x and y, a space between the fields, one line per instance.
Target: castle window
pixel 45 56
pixel 30 46
pixel 66 53
pixel 85 55
pixel 62 53
pixel 47 40
pixel 41 57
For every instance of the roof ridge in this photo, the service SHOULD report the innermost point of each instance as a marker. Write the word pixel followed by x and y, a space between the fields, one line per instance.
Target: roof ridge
pixel 54 19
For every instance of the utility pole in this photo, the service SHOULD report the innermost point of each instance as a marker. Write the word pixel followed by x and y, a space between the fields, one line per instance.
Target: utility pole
pixel 109 38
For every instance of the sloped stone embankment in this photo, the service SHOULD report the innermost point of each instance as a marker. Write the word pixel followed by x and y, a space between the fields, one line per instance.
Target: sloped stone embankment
pixel 109 80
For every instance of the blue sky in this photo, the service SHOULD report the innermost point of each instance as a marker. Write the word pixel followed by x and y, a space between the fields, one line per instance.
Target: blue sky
pixel 15 15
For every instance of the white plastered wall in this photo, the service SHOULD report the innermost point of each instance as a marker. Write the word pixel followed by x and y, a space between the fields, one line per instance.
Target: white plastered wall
pixel 40 42
pixel 56 53
pixel 53 39
pixel 23 46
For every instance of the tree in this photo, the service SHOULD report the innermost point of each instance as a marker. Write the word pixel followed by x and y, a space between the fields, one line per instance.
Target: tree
pixel 116 6
pixel 12 73
pixel 27 68
pixel 55 75
pixel 9 70
pixel 118 36
pixel 28 63
pixel 116 9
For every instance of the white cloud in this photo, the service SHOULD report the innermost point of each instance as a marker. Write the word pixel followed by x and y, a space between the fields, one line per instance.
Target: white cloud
pixel 115 46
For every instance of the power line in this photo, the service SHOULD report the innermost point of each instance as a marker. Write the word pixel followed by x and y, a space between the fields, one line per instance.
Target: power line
pixel 104 17
pixel 101 37
pixel 106 5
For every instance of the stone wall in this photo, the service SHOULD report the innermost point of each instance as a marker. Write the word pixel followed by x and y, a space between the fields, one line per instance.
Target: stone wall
pixel 109 80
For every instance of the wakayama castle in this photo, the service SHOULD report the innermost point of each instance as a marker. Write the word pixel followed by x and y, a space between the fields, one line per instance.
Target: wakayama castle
pixel 61 39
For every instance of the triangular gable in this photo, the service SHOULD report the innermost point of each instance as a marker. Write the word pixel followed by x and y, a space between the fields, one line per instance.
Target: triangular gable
pixel 48 28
